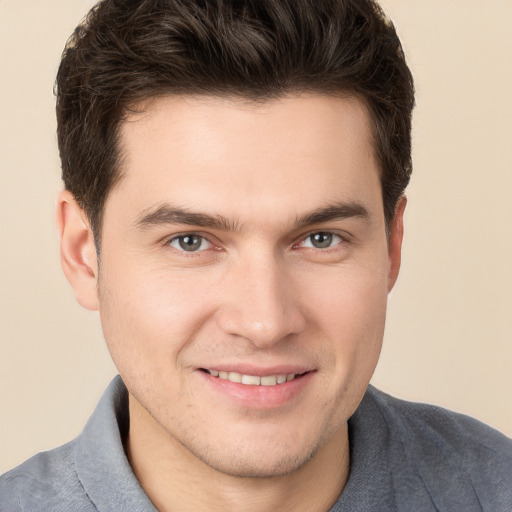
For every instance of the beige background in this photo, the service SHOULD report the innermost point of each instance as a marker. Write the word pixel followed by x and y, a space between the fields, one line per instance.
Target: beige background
pixel 449 335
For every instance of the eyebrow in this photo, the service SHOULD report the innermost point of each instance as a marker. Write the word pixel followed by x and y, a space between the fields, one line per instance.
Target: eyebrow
pixel 167 214
pixel 337 211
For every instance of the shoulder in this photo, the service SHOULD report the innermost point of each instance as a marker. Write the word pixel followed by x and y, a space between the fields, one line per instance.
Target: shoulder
pixel 47 481
pixel 450 450
pixel 442 427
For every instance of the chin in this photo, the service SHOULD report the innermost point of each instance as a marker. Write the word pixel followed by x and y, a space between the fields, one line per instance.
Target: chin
pixel 258 465
pixel 249 455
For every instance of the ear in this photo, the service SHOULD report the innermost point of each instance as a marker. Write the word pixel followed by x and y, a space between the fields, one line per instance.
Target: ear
pixel 395 242
pixel 77 250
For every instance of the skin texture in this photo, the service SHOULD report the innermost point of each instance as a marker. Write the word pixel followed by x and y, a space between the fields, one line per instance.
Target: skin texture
pixel 256 295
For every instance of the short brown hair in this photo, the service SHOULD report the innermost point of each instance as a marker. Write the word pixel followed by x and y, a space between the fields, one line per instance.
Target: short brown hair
pixel 127 51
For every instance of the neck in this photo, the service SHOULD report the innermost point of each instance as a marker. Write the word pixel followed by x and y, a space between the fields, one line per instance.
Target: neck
pixel 175 479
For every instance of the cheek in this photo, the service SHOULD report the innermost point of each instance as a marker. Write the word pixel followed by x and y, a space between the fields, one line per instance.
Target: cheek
pixel 350 314
pixel 350 310
pixel 351 297
pixel 148 318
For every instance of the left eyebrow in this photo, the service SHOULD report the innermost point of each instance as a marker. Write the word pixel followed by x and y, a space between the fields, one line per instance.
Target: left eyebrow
pixel 337 211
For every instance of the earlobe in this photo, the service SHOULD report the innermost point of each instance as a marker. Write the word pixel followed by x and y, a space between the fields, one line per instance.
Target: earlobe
pixel 395 242
pixel 77 250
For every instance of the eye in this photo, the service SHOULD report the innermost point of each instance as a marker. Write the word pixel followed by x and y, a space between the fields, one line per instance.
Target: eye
pixel 321 240
pixel 189 243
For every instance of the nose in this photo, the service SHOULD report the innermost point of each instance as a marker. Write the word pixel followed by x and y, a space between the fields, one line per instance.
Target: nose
pixel 260 302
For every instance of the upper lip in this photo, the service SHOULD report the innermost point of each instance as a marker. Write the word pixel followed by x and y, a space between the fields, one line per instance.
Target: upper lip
pixel 259 371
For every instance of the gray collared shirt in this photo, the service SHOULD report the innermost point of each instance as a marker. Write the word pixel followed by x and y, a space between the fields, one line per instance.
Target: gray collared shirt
pixel 404 457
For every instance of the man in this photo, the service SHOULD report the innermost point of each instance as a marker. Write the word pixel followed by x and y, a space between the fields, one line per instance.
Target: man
pixel 234 177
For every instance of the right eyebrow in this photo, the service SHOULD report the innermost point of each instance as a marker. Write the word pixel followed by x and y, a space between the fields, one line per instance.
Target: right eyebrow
pixel 167 214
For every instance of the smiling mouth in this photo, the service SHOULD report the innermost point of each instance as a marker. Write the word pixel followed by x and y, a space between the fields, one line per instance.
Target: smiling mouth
pixel 254 380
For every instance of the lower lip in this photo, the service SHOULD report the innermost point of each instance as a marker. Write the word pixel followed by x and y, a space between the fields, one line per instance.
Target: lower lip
pixel 258 397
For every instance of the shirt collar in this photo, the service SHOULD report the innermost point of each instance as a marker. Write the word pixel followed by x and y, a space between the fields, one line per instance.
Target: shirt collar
pixel 100 459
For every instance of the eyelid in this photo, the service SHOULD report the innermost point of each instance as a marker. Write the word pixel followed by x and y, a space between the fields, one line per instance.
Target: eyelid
pixel 201 239
pixel 206 236
pixel 345 238
pixel 216 244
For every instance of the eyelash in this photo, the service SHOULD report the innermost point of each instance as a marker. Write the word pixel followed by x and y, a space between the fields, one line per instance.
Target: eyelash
pixel 176 238
pixel 330 234
pixel 180 238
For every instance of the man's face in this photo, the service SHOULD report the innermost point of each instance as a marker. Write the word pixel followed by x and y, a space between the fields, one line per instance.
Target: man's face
pixel 248 242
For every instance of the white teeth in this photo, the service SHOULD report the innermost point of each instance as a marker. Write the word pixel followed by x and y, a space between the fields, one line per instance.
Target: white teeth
pixel 235 377
pixel 253 380
pixel 271 380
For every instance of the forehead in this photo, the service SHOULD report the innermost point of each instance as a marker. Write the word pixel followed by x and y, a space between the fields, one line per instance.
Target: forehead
pixel 308 122
pixel 232 156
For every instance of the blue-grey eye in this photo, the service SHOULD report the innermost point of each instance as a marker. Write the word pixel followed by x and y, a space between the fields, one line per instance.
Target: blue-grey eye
pixel 322 240
pixel 190 243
